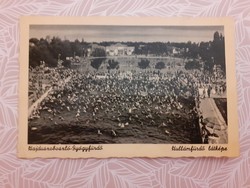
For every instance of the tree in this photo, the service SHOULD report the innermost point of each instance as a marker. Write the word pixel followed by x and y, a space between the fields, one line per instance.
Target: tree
pixel 98 52
pixel 34 41
pixel 213 53
pixel 112 64
pixel 41 52
pixel 66 49
pixel 77 48
pixel 192 65
pixel 96 63
pixel 205 51
pixel 100 56
pixel 56 47
pixel 160 65
pixel 193 50
pixel 67 63
pixel 218 50
pixel 143 64
pixel 34 56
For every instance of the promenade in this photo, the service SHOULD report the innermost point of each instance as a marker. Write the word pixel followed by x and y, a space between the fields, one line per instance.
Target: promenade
pixel 214 121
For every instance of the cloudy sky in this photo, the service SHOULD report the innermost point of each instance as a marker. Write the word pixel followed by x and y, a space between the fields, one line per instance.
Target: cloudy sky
pixel 91 33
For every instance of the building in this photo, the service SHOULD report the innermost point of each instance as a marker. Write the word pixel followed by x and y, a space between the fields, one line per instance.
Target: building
pixel 175 51
pixel 119 50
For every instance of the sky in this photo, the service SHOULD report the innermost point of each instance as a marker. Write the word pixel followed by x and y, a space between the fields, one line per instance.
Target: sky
pixel 98 33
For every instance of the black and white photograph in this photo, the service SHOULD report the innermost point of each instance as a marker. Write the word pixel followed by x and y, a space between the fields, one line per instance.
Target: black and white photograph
pixel 108 84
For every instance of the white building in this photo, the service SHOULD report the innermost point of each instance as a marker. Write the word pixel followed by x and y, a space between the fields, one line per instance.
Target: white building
pixel 119 50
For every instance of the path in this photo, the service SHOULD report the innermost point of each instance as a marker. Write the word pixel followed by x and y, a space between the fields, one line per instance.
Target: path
pixel 214 120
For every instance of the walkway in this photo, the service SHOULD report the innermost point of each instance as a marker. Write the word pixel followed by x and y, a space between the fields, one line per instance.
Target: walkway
pixel 214 121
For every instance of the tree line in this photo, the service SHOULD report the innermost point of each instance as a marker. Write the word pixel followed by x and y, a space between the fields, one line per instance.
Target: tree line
pixel 51 50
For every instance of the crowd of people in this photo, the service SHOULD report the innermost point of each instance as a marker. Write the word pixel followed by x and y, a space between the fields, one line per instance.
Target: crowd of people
pixel 41 78
pixel 141 98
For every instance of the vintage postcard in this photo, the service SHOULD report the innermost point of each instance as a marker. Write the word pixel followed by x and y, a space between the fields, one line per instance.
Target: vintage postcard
pixel 127 87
